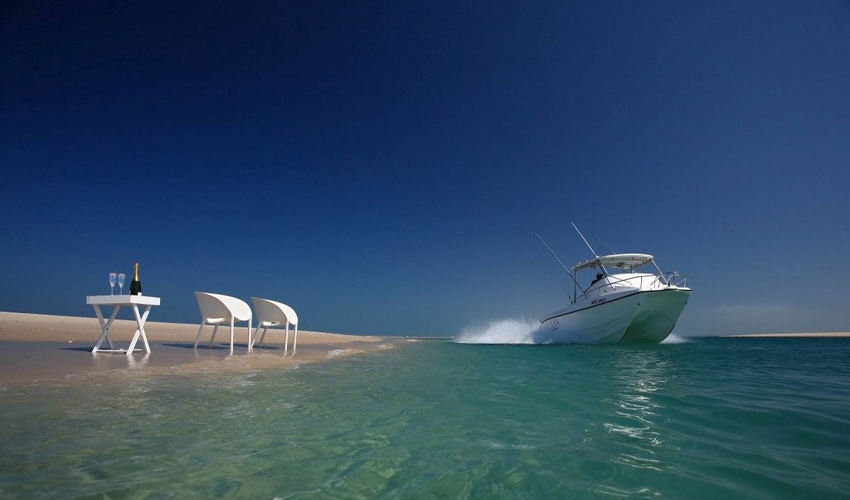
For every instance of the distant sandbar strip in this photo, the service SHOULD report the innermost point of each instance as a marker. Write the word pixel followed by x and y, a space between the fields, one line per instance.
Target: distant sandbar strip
pixel 794 335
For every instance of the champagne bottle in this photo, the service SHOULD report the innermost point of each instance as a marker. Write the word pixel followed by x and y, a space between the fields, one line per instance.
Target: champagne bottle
pixel 136 285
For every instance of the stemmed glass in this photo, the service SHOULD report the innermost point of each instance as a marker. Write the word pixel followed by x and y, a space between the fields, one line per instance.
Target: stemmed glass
pixel 121 283
pixel 112 277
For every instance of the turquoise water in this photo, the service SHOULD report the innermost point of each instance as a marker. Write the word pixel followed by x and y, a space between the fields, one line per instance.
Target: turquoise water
pixel 714 418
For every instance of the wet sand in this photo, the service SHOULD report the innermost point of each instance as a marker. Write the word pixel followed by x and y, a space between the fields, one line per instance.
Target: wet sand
pixel 40 348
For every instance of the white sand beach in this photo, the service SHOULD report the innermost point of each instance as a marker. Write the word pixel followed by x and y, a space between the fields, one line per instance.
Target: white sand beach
pixel 41 347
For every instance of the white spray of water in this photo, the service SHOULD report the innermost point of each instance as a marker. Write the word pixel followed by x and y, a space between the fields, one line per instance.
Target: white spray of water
pixel 675 339
pixel 503 331
pixel 519 331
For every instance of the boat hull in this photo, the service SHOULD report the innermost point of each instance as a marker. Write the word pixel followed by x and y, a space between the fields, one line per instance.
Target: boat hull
pixel 604 323
pixel 630 317
pixel 656 315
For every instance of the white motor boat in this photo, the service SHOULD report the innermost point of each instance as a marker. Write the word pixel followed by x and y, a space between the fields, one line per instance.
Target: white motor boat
pixel 625 306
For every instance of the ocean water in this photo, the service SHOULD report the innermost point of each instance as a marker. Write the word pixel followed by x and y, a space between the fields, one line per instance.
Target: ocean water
pixel 710 418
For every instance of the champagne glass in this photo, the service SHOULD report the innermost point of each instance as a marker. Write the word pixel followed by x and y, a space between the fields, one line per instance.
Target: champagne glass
pixel 121 283
pixel 112 277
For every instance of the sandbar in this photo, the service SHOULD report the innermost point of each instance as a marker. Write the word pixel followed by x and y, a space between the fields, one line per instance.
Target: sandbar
pixel 43 348
pixel 793 335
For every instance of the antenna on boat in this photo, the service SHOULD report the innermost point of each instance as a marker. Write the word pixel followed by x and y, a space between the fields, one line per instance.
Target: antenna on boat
pixel 603 244
pixel 572 300
pixel 585 241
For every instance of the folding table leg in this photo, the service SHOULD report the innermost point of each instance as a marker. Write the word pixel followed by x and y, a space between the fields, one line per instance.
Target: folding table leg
pixel 140 320
pixel 104 325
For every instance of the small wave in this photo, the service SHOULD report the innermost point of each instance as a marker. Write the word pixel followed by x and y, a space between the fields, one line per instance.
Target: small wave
pixel 502 446
pixel 502 331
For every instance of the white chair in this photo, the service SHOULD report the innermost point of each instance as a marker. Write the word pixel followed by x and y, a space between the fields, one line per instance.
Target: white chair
pixel 220 309
pixel 271 313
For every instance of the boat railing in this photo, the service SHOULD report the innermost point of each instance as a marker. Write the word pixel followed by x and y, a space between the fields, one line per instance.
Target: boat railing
pixel 630 282
pixel 641 282
pixel 676 279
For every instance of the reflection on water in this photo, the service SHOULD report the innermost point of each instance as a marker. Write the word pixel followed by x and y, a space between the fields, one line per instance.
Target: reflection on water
pixel 639 375
pixel 113 360
pixel 133 362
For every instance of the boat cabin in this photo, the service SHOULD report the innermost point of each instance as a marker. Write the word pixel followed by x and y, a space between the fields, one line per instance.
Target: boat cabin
pixel 608 280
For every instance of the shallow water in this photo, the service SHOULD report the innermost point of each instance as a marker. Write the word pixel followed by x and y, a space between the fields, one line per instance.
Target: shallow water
pixel 714 418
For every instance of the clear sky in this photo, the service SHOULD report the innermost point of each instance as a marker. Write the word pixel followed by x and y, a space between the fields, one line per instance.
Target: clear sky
pixel 382 166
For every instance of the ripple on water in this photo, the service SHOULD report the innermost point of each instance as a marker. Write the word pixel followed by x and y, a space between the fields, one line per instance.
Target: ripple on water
pixel 703 419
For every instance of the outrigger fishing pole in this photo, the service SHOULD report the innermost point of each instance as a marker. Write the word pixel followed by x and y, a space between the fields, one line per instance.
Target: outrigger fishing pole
pixel 585 241
pixel 572 299
pixel 591 249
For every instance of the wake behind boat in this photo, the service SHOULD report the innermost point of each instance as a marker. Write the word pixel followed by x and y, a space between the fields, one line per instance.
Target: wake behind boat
pixel 626 306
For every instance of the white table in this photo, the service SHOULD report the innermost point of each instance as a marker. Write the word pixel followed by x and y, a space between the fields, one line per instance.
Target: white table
pixel 117 301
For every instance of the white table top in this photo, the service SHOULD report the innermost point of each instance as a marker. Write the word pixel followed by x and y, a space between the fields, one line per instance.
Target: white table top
pixel 103 300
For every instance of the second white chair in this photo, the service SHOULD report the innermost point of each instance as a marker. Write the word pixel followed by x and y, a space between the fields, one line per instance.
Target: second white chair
pixel 221 309
pixel 271 313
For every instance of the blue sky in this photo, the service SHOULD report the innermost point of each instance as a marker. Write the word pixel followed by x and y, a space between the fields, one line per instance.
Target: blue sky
pixel 382 166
